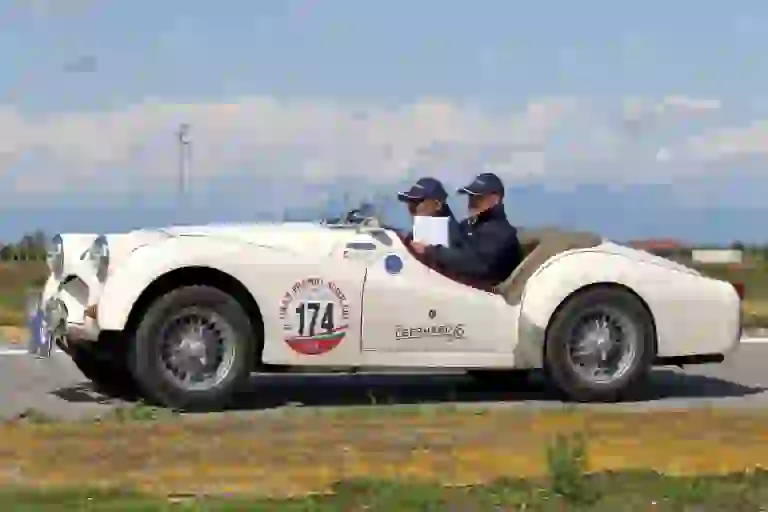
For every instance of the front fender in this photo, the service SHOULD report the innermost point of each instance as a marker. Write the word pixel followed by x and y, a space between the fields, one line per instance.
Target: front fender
pixel 660 288
pixel 134 274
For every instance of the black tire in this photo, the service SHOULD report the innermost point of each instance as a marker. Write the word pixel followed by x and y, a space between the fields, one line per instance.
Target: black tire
pixel 146 364
pixel 501 379
pixel 108 373
pixel 557 364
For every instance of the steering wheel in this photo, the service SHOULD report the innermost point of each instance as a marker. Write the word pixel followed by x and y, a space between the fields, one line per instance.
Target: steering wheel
pixel 357 217
pixel 353 216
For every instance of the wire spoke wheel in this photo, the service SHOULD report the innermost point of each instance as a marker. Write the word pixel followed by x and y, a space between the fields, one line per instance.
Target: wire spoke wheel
pixel 197 348
pixel 603 344
pixel 600 345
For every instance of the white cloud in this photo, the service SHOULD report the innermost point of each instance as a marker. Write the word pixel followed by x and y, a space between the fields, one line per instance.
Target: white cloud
pixel 638 107
pixel 47 8
pixel 690 104
pixel 731 142
pixel 323 141
pixel 664 155
pixel 318 140
pixel 643 116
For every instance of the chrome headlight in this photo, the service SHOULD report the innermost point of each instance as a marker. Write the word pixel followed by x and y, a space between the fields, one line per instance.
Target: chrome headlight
pixel 99 254
pixel 55 255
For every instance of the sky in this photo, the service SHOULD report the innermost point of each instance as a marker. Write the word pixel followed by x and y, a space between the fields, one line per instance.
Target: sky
pixel 644 119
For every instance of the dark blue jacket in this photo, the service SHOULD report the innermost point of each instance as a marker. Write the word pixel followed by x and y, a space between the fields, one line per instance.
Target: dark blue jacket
pixel 456 236
pixel 489 254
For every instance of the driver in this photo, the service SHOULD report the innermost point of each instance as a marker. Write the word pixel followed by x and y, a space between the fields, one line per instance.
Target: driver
pixel 492 250
pixel 427 198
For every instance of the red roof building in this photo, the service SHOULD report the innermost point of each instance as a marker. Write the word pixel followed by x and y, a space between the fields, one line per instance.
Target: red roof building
pixel 657 244
pixel 665 247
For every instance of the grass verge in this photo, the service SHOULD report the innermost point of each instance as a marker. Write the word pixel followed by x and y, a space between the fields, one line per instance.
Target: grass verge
pixel 16 278
pixel 567 485
pixel 608 492
pixel 755 313
pixel 301 452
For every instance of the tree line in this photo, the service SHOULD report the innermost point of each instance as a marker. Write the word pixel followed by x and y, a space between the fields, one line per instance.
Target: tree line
pixel 30 247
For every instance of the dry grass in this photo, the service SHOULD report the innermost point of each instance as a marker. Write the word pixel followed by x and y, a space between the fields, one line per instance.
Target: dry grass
pixel 16 280
pixel 13 334
pixel 21 275
pixel 756 313
pixel 304 452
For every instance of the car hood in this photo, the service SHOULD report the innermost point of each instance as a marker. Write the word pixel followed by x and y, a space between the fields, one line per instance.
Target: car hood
pixel 297 237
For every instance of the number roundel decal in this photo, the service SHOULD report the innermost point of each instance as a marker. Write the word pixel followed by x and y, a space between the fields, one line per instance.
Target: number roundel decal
pixel 315 316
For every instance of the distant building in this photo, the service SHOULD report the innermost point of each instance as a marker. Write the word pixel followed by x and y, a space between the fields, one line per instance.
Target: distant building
pixel 717 256
pixel 665 247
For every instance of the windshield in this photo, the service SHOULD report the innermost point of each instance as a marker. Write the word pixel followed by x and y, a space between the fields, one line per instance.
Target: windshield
pixel 379 209
pixel 370 214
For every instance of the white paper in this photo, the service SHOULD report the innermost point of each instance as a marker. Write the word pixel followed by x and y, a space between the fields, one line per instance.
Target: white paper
pixel 431 230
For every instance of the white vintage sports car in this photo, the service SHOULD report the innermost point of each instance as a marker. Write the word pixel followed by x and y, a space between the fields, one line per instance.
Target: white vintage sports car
pixel 183 315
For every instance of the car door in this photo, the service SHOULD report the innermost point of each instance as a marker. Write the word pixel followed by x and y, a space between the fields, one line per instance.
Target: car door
pixel 316 315
pixel 407 307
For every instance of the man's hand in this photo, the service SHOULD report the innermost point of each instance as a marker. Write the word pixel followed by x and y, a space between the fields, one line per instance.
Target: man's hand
pixel 418 247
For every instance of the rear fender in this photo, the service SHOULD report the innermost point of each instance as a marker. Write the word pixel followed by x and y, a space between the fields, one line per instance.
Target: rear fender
pixel 566 274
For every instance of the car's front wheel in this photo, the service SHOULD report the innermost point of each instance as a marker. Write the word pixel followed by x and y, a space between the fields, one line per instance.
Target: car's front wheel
pixel 104 368
pixel 193 349
pixel 600 345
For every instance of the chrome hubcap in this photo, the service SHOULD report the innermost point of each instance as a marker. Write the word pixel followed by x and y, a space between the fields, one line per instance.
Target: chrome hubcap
pixel 197 348
pixel 603 345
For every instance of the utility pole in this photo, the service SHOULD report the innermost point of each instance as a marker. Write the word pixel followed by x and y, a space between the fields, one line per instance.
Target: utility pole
pixel 184 143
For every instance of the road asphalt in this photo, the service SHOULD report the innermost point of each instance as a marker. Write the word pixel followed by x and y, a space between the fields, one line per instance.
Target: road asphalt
pixel 57 388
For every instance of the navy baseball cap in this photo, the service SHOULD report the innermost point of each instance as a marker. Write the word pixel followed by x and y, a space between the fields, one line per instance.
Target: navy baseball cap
pixel 485 183
pixel 425 188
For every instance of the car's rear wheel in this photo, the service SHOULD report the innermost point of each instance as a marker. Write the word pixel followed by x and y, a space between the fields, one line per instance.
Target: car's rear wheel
pixel 193 349
pixel 600 345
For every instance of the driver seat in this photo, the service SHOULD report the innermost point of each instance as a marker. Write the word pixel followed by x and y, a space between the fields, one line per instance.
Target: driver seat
pixel 539 248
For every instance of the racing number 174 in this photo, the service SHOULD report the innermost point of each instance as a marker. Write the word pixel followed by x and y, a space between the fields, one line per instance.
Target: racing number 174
pixel 309 314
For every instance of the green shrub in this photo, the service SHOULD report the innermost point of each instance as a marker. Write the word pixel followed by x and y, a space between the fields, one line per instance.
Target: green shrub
pixel 567 466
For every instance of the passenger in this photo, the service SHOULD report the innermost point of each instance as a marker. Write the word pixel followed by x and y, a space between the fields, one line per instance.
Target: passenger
pixel 427 198
pixel 492 249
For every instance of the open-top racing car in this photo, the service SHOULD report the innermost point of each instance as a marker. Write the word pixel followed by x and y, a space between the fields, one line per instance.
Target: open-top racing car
pixel 184 315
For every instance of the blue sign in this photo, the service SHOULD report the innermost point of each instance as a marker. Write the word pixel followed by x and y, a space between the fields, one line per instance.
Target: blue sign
pixel 393 263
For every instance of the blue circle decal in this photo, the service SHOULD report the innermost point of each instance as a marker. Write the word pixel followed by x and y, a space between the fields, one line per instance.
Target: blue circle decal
pixel 393 263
